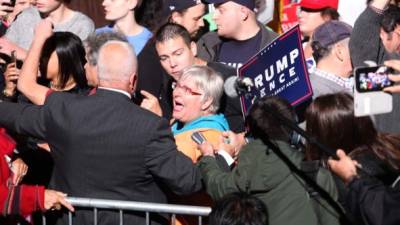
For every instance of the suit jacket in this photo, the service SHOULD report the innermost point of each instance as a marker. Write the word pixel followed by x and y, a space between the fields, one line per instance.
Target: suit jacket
pixel 104 146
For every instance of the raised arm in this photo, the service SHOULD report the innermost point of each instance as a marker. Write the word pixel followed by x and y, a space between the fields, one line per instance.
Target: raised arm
pixel 23 119
pixel 27 83
pixel 365 43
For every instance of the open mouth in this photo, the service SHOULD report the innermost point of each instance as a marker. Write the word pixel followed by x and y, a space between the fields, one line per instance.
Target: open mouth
pixel 178 105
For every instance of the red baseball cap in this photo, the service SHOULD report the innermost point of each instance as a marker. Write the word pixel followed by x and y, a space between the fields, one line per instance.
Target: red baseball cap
pixel 319 4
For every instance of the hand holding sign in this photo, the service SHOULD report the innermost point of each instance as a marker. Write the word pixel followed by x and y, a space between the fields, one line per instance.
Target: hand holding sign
pixel 278 69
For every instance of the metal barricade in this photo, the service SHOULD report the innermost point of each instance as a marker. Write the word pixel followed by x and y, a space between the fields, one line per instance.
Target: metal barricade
pixel 146 207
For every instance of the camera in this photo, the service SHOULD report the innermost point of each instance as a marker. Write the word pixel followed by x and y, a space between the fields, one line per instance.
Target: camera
pixel 370 79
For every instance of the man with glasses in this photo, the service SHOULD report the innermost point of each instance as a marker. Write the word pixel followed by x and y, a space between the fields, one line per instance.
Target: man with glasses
pixel 376 38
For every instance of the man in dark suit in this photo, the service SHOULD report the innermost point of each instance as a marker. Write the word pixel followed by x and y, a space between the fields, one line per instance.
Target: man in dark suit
pixel 103 145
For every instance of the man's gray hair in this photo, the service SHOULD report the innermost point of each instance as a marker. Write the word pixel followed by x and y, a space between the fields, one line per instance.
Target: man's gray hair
pixel 207 80
pixel 94 42
pixel 320 52
pixel 116 65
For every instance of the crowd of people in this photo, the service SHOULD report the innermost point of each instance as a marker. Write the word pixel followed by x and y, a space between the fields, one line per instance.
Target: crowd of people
pixel 136 111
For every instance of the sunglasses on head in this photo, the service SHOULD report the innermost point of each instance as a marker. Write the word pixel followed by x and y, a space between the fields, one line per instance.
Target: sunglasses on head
pixel 311 10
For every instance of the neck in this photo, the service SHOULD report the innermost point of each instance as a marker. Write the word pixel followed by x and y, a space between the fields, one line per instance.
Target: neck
pixel 333 66
pixel 308 50
pixel 247 31
pixel 55 86
pixel 122 86
pixel 200 62
pixel 128 25
pixel 60 15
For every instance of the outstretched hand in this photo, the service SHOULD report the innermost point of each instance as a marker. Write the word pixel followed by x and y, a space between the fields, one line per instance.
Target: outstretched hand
pixel 231 143
pixel 54 200
pixel 345 167
pixel 206 149
pixel 150 102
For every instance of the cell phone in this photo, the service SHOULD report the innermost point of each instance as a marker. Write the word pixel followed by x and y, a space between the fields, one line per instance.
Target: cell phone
pixel 370 79
pixel 13 57
pixel 198 138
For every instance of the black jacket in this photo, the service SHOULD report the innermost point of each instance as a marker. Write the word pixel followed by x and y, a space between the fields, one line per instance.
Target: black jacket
pixel 372 203
pixel 104 146
pixel 208 46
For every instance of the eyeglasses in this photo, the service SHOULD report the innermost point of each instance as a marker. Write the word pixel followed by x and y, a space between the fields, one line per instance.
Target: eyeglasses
pixel 186 90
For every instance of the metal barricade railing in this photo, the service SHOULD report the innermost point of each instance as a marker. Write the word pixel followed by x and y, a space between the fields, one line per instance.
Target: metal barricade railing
pixel 137 207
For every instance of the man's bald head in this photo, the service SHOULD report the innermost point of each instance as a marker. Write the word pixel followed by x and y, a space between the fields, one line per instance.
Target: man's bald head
pixel 117 62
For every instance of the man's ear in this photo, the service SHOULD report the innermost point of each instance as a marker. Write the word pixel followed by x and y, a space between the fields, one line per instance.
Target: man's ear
pixel 176 17
pixel 244 12
pixel 132 82
pixel 206 104
pixel 193 48
pixel 339 51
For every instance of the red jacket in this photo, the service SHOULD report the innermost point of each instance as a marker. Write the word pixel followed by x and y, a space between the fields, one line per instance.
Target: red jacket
pixel 21 199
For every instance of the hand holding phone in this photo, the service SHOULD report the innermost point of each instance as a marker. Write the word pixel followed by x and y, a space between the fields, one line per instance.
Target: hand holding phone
pixel 198 137
pixel 370 79
pixel 205 147
pixel 369 97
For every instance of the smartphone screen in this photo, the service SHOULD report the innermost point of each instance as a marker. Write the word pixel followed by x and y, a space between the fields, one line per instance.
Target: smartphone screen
pixel 369 79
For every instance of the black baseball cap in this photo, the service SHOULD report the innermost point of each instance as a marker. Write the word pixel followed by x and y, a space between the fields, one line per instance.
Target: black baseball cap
pixel 251 4
pixel 177 5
